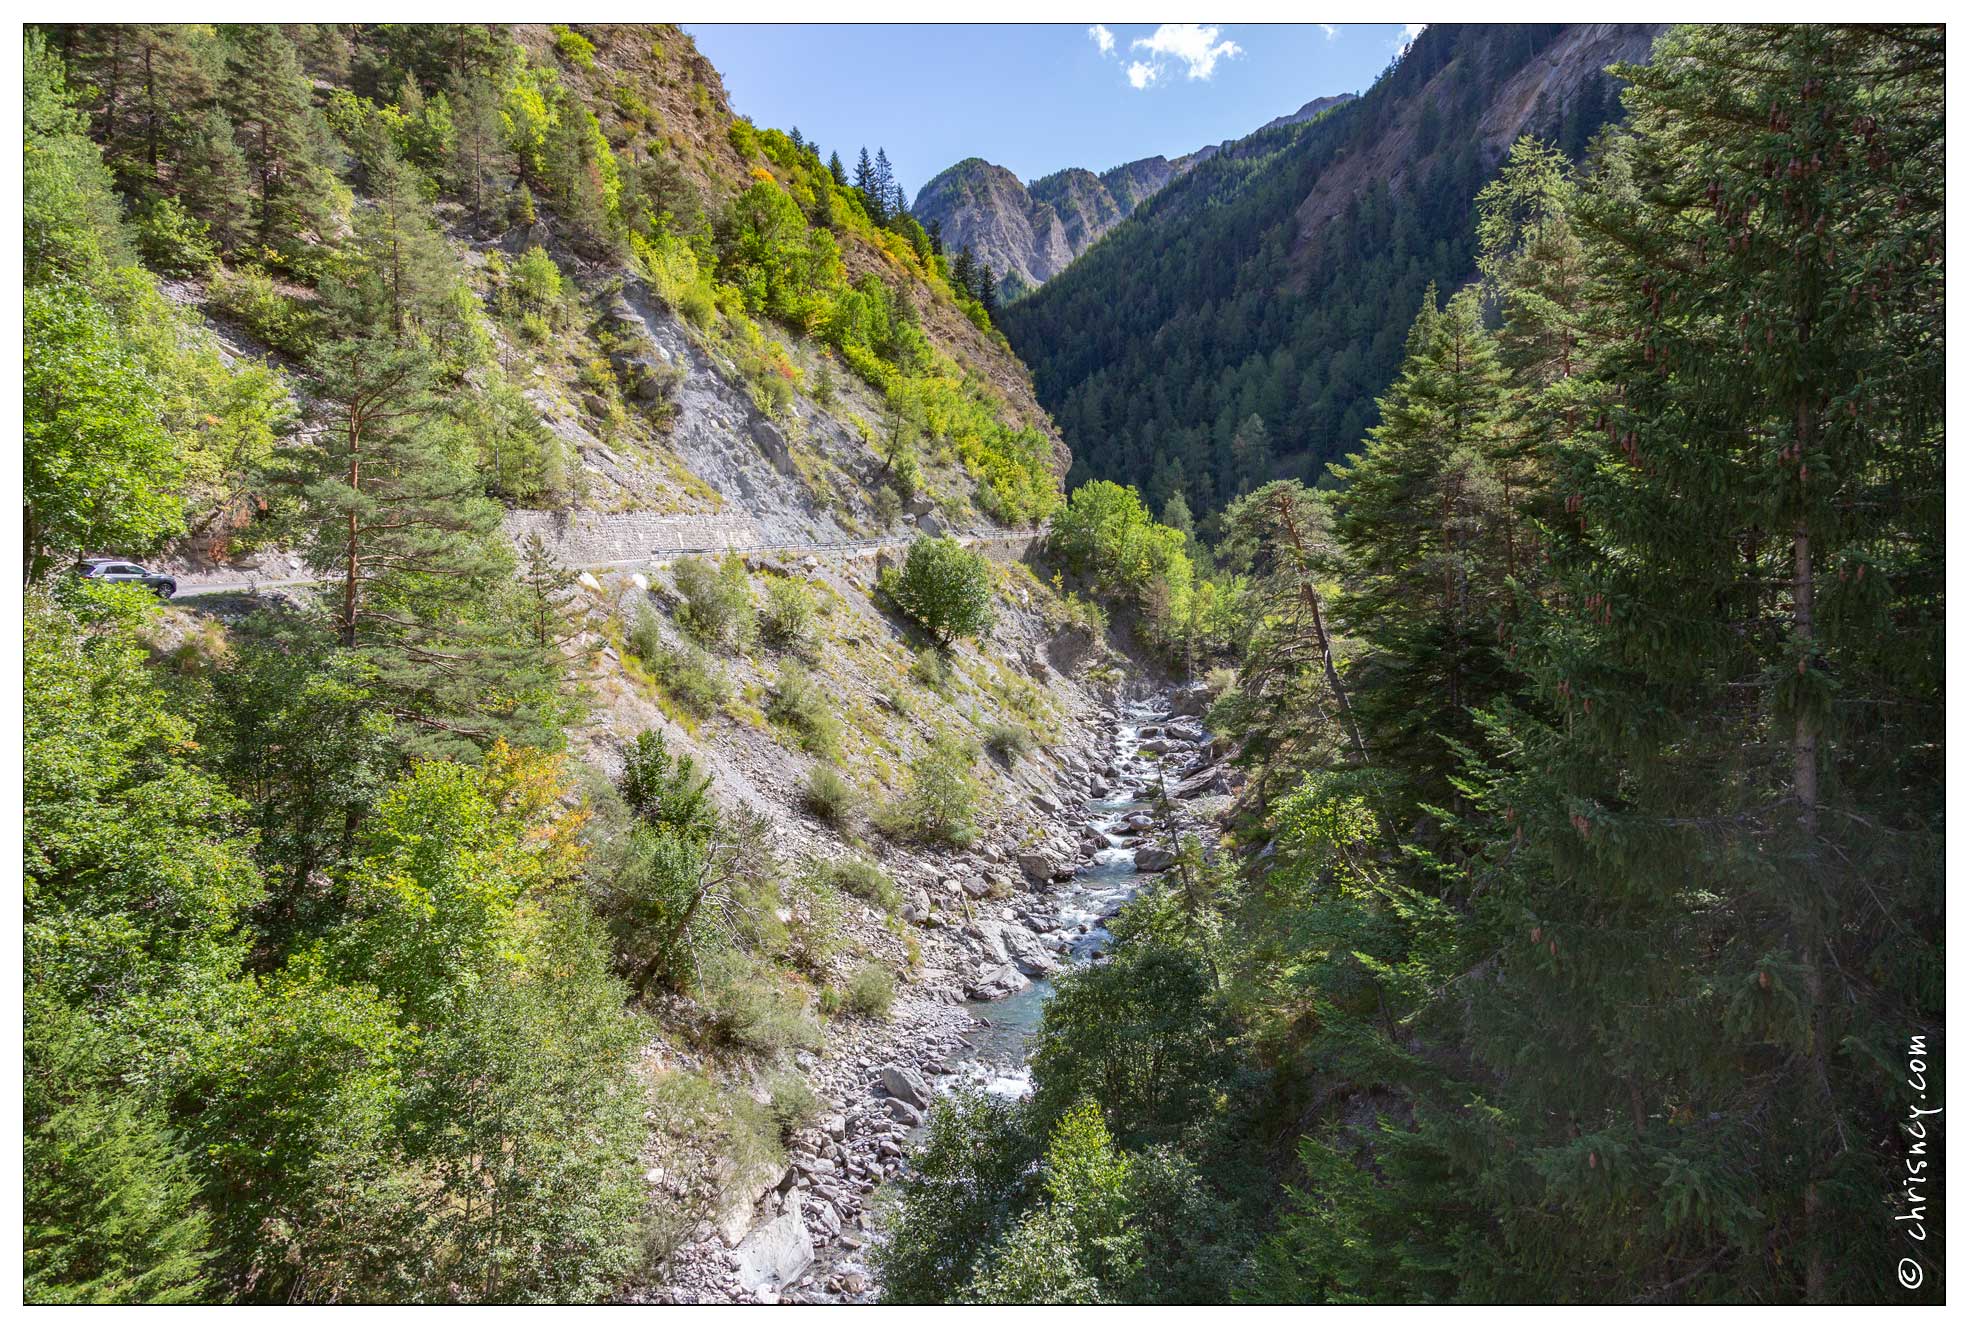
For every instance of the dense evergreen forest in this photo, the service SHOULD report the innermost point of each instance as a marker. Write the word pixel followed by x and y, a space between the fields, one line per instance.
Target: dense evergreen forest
pixel 1565 943
pixel 1200 350
pixel 1572 936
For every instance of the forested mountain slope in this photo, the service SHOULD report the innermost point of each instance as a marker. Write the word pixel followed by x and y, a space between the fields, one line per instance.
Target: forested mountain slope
pixel 1239 325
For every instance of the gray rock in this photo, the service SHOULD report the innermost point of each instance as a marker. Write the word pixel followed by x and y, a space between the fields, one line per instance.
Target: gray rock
pixel 904 1113
pixel 1151 859
pixel 1037 866
pixel 776 1253
pixel 996 983
pixel 905 1084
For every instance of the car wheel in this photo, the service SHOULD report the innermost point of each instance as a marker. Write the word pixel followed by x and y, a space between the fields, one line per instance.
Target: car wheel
pixel 165 589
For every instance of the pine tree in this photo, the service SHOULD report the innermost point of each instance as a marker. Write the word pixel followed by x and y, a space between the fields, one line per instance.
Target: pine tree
pixel 1701 857
pixel 270 103
pixel 1294 711
pixel 881 189
pixel 964 273
pixel 482 159
pixel 1251 452
pixel 865 183
pixel 1428 541
pixel 836 170
pixel 213 181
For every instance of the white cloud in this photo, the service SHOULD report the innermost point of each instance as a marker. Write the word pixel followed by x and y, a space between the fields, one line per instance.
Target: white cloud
pixel 1331 30
pixel 1410 31
pixel 1102 38
pixel 1193 45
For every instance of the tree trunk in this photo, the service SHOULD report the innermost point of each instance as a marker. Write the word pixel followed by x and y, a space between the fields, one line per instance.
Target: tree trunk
pixel 1806 910
pixel 1309 595
pixel 353 568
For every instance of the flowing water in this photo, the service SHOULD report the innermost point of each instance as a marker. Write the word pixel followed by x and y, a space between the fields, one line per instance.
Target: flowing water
pixel 1007 1024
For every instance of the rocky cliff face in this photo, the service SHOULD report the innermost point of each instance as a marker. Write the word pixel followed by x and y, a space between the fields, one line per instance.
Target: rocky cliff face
pixel 1026 234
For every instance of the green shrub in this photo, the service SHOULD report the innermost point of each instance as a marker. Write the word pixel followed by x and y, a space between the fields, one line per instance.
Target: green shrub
pixel 1008 740
pixel 830 795
pixel 256 301
pixel 750 1008
pixel 865 879
pixel 646 634
pixel 574 48
pixel 943 588
pixel 537 287
pixel 801 705
pixel 696 304
pixel 717 607
pixel 813 919
pixel 684 672
pixel 692 678
pixel 793 1104
pixel 786 619
pixel 173 241
pixel 931 668
pixel 871 992
pixel 940 802
pixel 709 1137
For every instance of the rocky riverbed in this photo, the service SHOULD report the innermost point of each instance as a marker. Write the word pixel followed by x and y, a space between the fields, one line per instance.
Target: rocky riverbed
pixel 994 926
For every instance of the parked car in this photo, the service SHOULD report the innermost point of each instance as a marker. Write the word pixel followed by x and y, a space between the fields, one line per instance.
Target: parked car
pixel 116 569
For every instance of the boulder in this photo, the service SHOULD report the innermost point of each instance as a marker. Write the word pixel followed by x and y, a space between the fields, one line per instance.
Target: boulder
pixel 996 983
pixel 1037 866
pixel 904 1113
pixel 777 1253
pixel 1151 859
pixel 1029 953
pixel 905 1084
pixel 744 1193
pixel 1191 700
pixel 1209 780
pixel 991 936
pixel 827 1220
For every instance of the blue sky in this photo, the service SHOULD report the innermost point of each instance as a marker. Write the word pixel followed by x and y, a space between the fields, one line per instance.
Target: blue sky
pixel 1035 98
